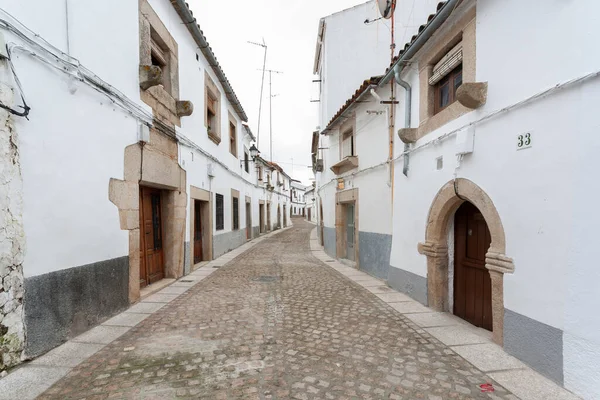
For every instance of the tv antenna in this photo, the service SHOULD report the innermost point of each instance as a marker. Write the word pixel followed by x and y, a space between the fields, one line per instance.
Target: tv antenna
pixel 271 72
pixel 262 85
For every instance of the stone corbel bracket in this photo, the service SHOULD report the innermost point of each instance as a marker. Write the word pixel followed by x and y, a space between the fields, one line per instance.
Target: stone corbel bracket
pixel 150 75
pixel 184 108
pixel 432 250
pixel 472 94
pixel 408 135
pixel 499 263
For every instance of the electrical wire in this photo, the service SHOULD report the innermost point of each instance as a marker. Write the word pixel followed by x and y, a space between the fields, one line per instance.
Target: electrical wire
pixel 25 107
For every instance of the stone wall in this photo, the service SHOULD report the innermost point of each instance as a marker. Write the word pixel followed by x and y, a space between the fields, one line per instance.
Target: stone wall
pixel 12 238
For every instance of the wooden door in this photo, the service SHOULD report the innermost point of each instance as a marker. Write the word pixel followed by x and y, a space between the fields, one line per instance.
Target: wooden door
pixel 261 217
pixel 248 222
pixel 472 283
pixel 197 231
pixel 350 232
pixel 322 223
pixel 151 250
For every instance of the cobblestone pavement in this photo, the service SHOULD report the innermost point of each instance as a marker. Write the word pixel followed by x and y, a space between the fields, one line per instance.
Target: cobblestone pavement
pixel 276 323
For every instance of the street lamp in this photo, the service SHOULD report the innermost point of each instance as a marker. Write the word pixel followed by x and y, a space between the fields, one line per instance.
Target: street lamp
pixel 254 152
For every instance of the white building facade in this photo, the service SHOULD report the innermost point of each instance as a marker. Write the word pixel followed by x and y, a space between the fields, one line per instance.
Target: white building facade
pixel 115 175
pixel 491 210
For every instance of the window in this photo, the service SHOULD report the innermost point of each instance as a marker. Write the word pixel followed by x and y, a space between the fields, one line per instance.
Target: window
pixel 233 135
pixel 348 142
pixel 269 179
pixel 236 213
pixel 445 89
pixel 212 110
pixel 219 207
pixel 246 161
pixel 260 175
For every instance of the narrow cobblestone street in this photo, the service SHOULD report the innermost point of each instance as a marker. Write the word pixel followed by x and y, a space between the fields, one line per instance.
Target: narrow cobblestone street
pixel 275 323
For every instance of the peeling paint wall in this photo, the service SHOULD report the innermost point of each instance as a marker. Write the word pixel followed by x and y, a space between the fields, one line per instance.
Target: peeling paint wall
pixel 12 237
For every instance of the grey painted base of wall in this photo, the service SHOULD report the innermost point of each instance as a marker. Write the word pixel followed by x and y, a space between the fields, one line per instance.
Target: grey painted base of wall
pixel 187 258
pixel 374 253
pixel 226 242
pixel 63 304
pixel 535 343
pixel 329 241
pixel 408 283
pixel 255 231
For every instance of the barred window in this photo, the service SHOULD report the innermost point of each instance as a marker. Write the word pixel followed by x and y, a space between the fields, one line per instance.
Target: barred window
pixel 236 214
pixel 220 220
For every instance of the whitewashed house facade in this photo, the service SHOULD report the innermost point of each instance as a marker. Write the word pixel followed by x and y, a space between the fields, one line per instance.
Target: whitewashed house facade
pixel 115 174
pixel 492 209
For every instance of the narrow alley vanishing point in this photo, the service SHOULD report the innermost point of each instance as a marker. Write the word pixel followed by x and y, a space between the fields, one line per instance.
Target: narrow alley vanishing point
pixel 275 322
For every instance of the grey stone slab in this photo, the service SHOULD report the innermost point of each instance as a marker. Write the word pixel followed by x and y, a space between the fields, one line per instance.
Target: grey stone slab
pixel 528 384
pixel 379 289
pixel 488 357
pixel 409 307
pixel 68 355
pixel 146 308
pixel 30 381
pixel 160 298
pixel 431 319
pixel 370 283
pixel 411 284
pixel 537 344
pixel 203 271
pixel 394 297
pixel 102 334
pixel 126 319
pixel 459 335
pixel 174 290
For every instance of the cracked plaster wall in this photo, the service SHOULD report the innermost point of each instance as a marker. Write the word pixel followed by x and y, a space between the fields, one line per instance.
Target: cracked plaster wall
pixel 12 239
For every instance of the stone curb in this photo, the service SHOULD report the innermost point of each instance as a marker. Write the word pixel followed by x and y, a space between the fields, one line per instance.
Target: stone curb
pixel 32 379
pixel 471 343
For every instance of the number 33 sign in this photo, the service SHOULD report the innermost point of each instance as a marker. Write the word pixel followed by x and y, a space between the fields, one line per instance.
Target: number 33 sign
pixel 524 141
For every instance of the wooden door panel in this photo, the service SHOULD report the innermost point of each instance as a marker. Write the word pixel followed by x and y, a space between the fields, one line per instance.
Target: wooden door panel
pixel 472 283
pixel 152 258
pixel 197 231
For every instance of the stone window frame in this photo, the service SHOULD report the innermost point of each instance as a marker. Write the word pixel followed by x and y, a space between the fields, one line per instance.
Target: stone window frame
pixel 235 195
pixel 155 37
pixel 464 30
pixel 212 94
pixel 233 139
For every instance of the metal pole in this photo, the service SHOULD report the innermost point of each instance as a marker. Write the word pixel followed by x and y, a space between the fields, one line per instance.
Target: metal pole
pixel 270 117
pixel 262 85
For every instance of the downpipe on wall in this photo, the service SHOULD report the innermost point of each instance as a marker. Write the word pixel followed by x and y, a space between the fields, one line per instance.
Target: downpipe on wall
pixel 407 112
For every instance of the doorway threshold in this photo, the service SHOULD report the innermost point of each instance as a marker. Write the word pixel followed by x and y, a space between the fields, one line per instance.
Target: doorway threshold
pixel 348 263
pixel 155 287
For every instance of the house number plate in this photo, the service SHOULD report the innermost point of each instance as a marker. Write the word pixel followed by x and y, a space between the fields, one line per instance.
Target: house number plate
pixel 524 141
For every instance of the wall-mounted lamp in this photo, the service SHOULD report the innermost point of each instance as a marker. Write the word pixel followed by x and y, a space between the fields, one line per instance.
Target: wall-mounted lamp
pixel 253 154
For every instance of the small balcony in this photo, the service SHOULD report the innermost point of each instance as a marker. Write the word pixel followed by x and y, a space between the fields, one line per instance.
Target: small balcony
pixel 346 164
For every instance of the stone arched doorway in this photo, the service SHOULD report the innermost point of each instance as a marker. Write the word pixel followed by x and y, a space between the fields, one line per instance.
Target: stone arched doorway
pixel 435 247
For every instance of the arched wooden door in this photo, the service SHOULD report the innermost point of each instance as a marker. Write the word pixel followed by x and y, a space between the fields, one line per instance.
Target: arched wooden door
pixel 472 283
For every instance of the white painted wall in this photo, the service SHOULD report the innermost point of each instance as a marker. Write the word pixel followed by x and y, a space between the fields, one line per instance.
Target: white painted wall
pixel 372 175
pixel 353 51
pixel 73 143
pixel 229 170
pixel 545 195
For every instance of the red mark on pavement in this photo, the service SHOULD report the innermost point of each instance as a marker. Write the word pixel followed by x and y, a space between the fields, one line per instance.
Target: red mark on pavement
pixel 487 387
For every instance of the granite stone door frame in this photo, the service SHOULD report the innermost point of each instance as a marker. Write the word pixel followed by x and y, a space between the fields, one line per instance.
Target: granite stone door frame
pixel 435 247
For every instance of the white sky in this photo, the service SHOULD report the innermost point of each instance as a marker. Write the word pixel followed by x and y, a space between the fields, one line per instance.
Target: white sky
pixel 289 28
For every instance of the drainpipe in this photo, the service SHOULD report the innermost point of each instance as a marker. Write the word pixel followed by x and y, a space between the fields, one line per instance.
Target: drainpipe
pixel 407 111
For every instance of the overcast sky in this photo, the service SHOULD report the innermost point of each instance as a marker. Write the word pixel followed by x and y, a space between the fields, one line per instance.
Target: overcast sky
pixel 290 31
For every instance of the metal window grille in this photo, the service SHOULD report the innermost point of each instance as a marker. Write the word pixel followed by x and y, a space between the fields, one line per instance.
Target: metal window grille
pixel 236 214
pixel 220 219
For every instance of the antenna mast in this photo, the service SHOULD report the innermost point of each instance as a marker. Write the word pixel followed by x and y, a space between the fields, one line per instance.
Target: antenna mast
pixel 262 85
